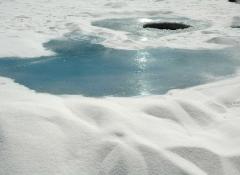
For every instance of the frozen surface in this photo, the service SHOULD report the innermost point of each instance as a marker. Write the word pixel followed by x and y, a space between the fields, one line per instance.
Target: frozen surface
pixel 193 131
pixel 25 25
pixel 184 132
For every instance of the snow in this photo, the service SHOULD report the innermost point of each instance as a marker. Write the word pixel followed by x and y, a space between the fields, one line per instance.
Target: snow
pixel 36 22
pixel 191 131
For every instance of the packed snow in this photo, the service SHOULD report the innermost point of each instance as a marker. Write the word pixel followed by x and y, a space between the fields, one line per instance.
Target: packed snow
pixel 194 131
pixel 26 25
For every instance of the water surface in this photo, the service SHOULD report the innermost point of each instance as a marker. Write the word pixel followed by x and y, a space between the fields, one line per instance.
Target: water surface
pixel 83 67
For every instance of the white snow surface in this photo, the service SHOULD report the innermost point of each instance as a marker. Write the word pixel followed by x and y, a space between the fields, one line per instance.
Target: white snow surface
pixel 193 131
pixel 26 25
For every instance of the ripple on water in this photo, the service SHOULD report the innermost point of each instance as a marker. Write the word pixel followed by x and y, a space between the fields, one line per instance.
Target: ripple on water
pixel 81 66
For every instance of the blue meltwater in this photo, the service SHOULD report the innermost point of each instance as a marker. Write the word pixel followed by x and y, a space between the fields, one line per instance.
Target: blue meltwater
pixel 81 66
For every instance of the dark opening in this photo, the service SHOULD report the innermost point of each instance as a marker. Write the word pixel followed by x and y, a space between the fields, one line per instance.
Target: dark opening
pixel 237 1
pixel 166 25
pixel 235 26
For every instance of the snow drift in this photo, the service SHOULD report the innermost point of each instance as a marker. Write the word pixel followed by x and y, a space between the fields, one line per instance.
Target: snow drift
pixel 192 131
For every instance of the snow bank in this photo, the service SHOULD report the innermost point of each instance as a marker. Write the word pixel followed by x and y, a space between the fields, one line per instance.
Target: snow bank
pixel 192 131
pixel 26 45
pixel 44 20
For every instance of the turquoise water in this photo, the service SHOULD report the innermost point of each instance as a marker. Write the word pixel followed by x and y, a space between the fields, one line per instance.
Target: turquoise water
pixel 83 67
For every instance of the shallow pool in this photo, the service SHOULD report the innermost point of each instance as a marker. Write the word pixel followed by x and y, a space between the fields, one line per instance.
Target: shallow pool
pixel 83 67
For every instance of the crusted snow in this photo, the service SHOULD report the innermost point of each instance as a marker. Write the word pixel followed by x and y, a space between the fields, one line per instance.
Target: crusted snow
pixel 35 22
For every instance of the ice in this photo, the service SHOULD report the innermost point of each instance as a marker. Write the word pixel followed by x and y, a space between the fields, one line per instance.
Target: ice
pixel 36 22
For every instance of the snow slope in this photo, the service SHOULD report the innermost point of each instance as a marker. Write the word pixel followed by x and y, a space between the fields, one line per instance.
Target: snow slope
pixel 193 131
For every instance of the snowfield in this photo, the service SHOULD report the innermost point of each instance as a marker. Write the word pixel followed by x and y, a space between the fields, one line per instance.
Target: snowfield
pixel 194 131
pixel 26 25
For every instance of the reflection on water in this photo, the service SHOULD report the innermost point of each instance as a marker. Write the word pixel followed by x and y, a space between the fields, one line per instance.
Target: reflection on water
pixel 82 67
pixel 141 59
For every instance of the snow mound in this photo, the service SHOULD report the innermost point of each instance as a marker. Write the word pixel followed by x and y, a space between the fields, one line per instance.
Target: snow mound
pixel 191 131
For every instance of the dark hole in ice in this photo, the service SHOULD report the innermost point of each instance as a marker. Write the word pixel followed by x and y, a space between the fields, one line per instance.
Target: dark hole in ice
pixel 237 1
pixel 166 25
pixel 236 26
